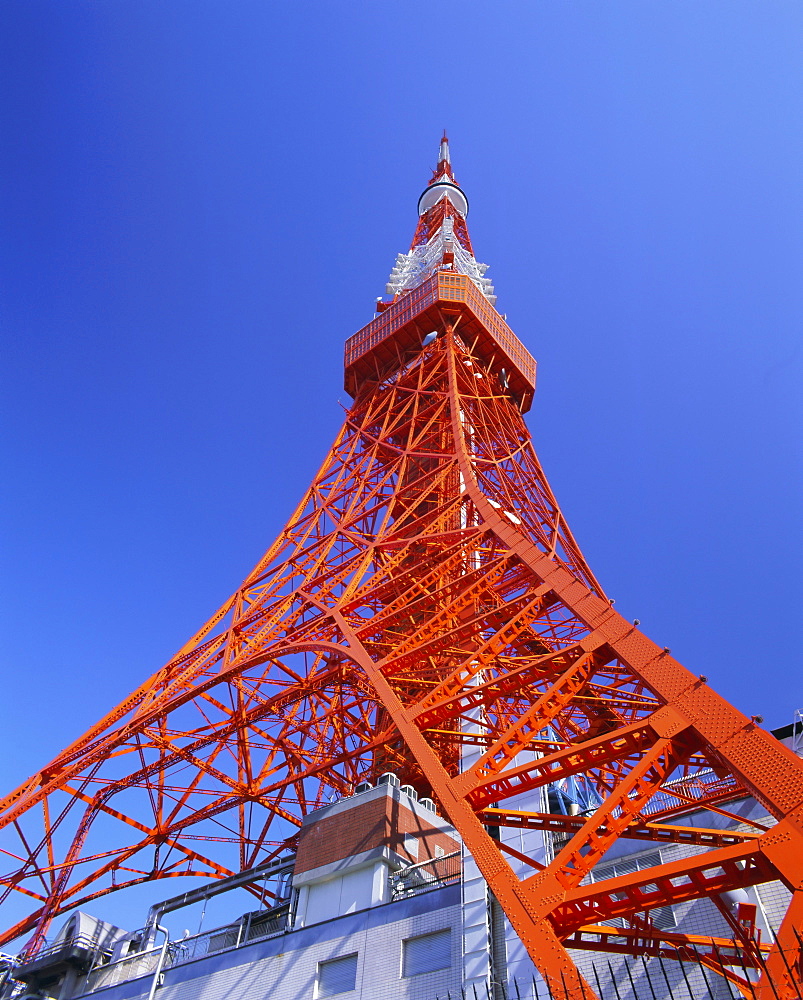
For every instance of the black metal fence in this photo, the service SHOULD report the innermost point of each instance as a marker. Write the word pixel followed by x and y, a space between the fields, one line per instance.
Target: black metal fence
pixel 648 978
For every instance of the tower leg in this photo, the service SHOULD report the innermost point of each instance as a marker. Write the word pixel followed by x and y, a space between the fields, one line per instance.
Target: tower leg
pixel 784 965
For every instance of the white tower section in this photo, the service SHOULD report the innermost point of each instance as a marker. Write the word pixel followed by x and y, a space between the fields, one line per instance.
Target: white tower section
pixel 443 201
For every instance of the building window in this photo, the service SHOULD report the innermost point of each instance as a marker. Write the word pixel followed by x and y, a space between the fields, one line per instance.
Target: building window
pixel 411 844
pixel 427 953
pixel 337 976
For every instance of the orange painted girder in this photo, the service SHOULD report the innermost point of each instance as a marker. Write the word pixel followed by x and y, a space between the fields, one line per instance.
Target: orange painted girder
pixel 425 600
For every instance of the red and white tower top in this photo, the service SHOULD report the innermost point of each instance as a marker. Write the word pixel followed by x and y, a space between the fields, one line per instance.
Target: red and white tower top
pixel 441 240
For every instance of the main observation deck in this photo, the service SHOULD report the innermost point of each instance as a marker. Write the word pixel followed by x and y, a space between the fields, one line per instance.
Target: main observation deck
pixel 397 333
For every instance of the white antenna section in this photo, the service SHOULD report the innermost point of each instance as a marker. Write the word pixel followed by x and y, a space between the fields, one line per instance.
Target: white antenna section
pixel 411 269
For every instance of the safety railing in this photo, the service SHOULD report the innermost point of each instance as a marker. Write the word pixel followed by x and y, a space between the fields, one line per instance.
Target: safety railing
pixel 84 942
pixel 495 325
pixel 392 319
pixel 253 927
pixel 142 963
pixel 425 876
pixel 442 286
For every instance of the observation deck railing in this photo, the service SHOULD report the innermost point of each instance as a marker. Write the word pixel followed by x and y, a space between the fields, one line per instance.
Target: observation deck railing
pixel 483 326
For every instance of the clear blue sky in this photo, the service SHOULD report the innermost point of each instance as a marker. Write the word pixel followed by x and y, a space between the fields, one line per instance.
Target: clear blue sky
pixel 200 201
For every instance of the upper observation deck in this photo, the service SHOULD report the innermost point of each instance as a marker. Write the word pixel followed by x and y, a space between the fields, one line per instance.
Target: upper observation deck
pixel 397 334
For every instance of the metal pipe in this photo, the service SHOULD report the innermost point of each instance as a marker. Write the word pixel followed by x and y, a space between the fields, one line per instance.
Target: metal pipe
pixel 158 910
pixel 160 963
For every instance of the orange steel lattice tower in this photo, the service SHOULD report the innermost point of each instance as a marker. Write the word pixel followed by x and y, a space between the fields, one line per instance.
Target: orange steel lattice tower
pixel 426 610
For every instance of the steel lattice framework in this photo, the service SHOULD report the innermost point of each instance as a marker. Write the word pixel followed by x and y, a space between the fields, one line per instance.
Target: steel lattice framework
pixel 426 605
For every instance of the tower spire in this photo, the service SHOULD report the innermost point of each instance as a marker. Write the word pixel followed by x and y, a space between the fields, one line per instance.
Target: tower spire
pixel 444 153
pixel 441 241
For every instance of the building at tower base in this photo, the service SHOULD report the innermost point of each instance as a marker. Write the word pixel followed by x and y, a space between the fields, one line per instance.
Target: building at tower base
pixel 380 902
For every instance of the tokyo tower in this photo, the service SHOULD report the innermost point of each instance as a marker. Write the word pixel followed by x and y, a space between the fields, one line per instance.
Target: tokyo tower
pixel 426 611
